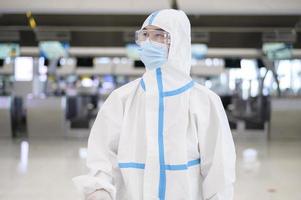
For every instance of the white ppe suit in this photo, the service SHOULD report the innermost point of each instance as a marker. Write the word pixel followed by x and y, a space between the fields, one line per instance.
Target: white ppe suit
pixel 163 136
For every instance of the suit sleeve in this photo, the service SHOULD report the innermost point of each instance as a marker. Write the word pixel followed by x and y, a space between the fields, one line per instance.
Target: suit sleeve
pixel 217 153
pixel 102 149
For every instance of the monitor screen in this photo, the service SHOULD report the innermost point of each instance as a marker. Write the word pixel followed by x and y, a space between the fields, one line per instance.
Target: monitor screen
pixel 46 62
pixel 85 62
pixel 277 50
pixel 138 64
pixel 232 63
pixel 1 62
pixel 53 49
pixel 260 63
pixel 9 50
pixel 24 69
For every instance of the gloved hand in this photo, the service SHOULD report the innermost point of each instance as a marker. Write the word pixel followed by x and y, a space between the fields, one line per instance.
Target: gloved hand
pixel 99 195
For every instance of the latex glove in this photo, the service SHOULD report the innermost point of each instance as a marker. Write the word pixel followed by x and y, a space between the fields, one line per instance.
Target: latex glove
pixel 99 195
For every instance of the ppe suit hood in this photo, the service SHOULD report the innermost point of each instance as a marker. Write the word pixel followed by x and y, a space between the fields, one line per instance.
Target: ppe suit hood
pixel 177 24
pixel 176 71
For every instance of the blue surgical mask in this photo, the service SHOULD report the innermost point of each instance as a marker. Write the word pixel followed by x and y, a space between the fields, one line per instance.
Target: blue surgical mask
pixel 153 54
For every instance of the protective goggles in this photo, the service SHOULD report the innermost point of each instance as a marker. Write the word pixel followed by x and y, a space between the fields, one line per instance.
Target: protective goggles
pixel 153 35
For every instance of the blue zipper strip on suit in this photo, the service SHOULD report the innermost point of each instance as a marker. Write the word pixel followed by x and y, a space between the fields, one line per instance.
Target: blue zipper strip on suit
pixel 162 180
pixel 173 92
pixel 194 162
pixel 180 90
pixel 131 165
pixel 183 166
pixel 163 166
pixel 167 167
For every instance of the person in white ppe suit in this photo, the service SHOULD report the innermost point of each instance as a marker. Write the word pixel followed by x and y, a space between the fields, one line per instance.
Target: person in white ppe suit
pixel 162 136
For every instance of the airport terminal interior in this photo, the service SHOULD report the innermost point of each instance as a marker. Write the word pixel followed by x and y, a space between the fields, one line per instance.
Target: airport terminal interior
pixel 60 60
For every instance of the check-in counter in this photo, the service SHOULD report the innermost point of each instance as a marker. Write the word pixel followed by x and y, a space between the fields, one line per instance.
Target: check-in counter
pixel 201 68
pixel 103 68
pixel 128 69
pixel 46 116
pixel 285 118
pixel 5 116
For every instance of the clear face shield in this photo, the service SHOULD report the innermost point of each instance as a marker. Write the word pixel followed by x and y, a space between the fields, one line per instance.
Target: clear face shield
pixel 159 36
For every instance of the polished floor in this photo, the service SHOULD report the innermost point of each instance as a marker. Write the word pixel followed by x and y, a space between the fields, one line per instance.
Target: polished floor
pixel 40 169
